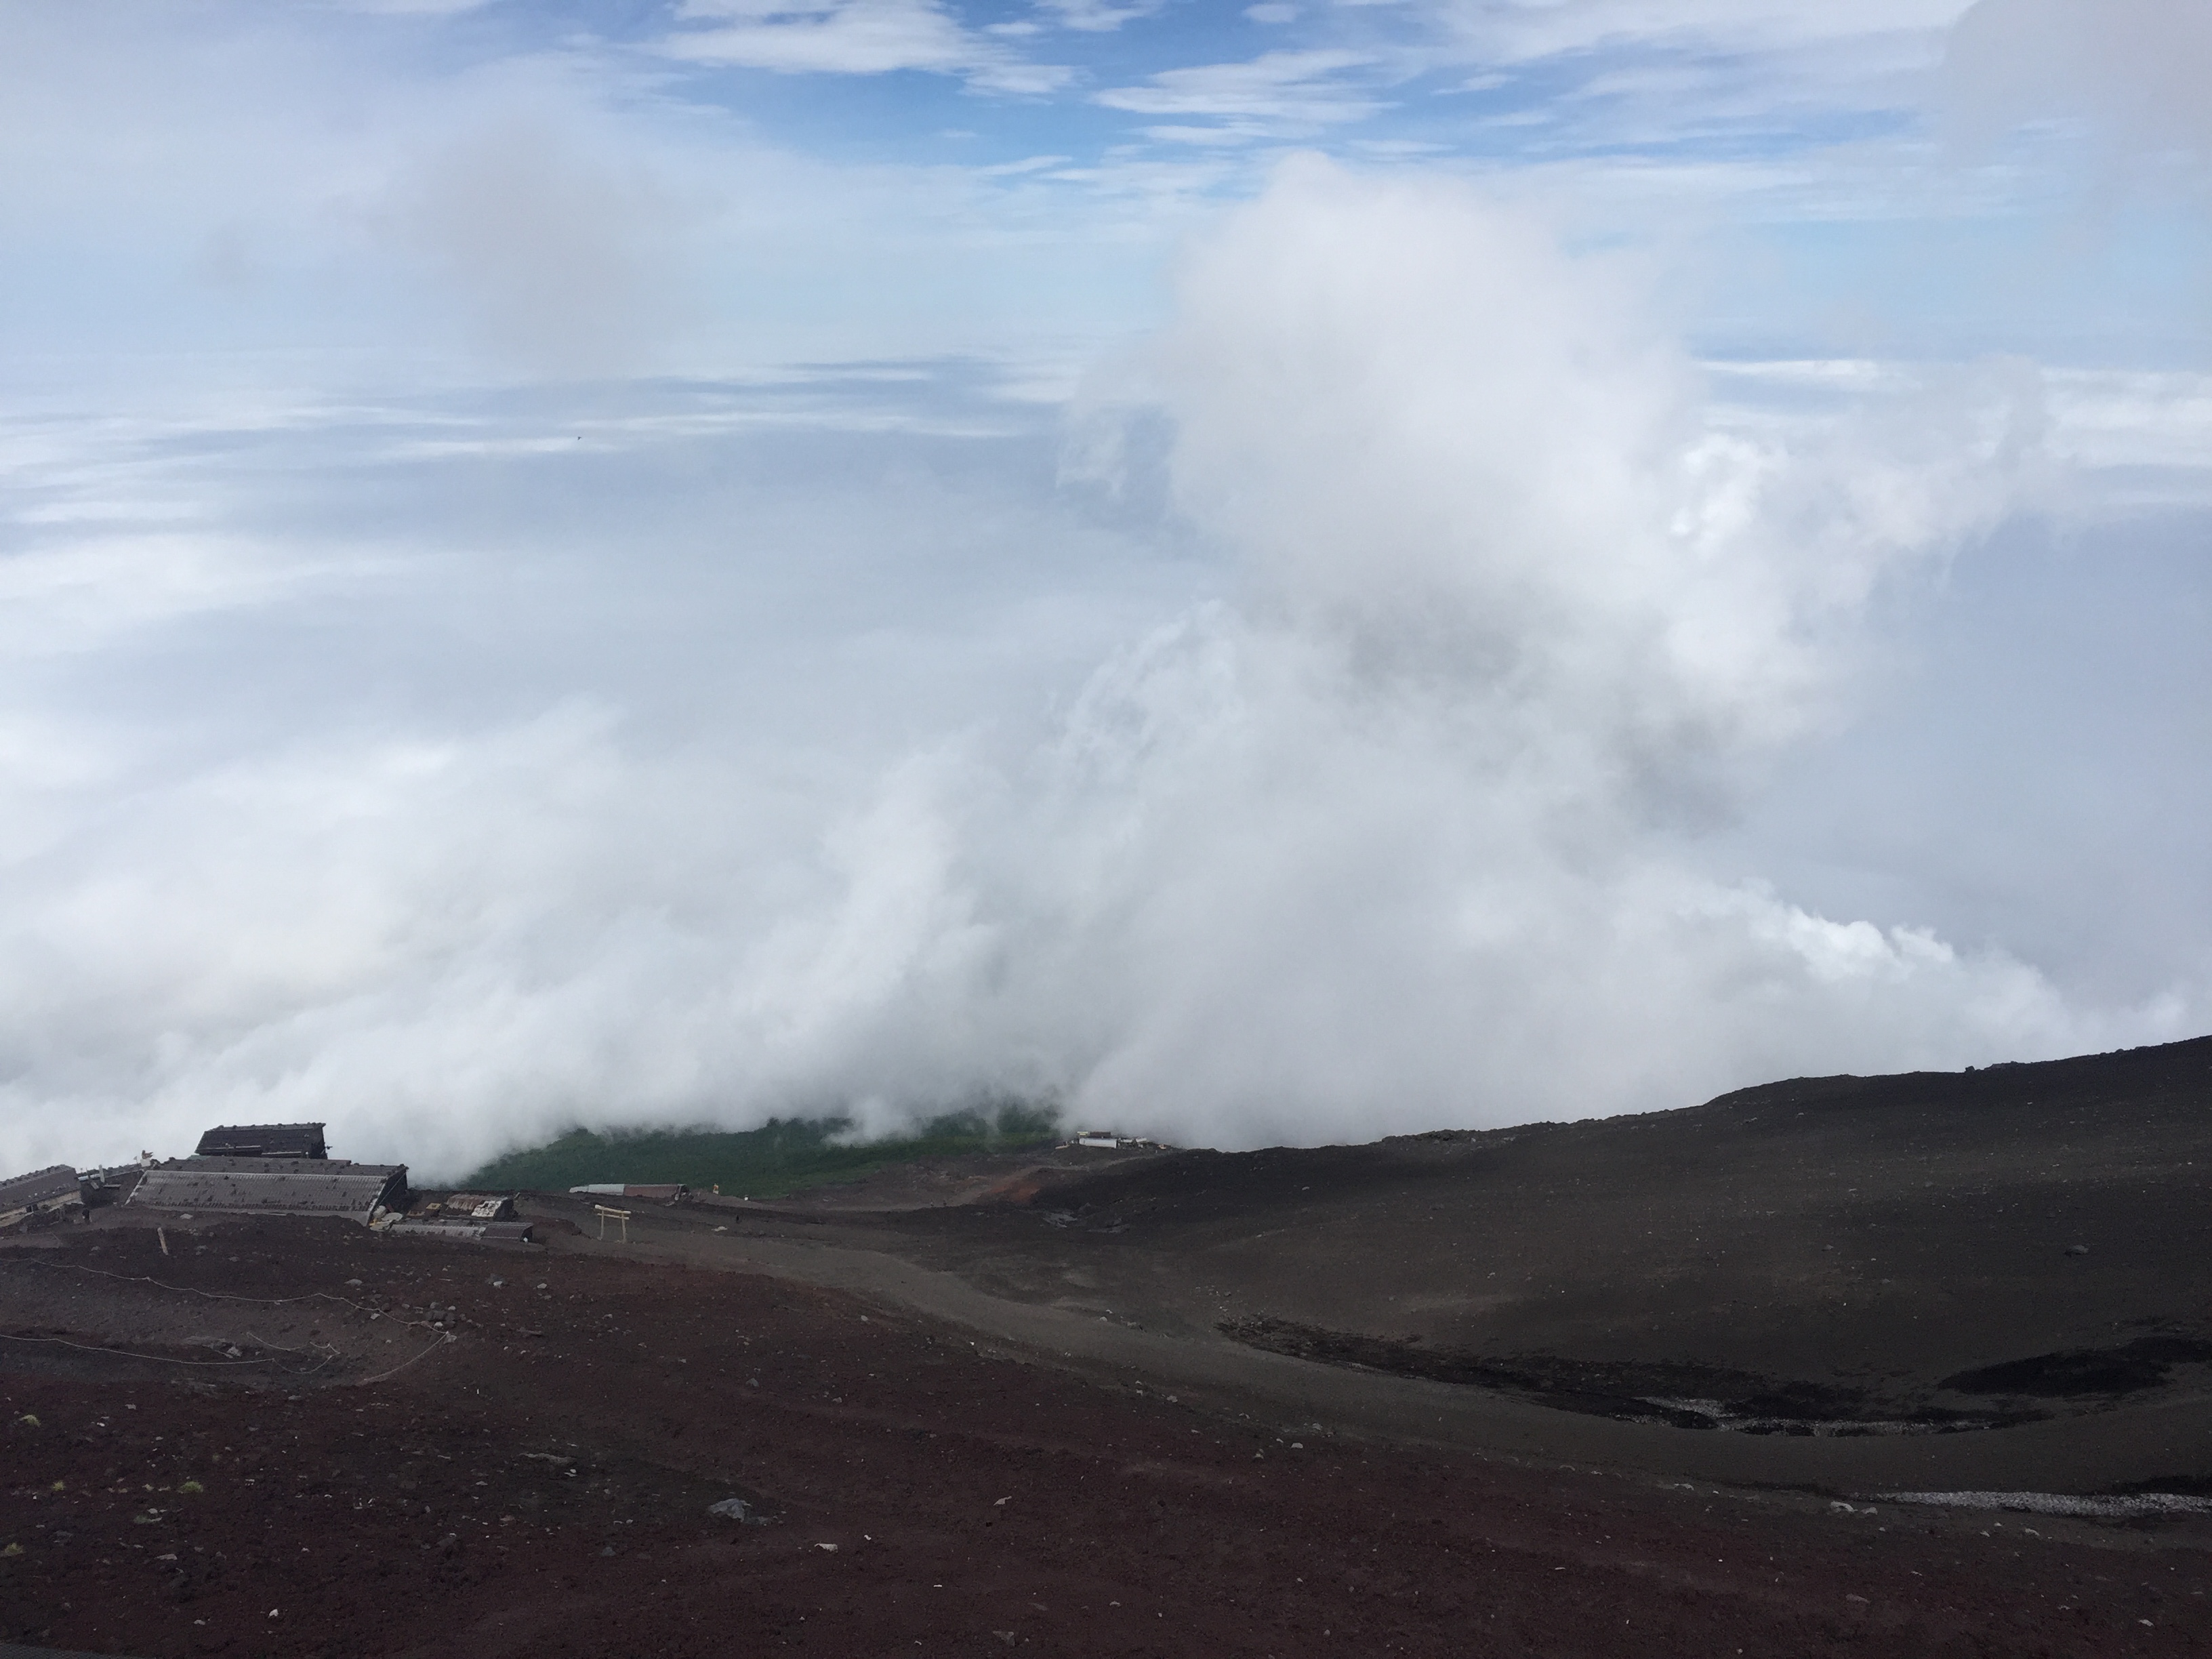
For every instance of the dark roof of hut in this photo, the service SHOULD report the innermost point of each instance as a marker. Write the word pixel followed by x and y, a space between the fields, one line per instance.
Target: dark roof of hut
pixel 265 1140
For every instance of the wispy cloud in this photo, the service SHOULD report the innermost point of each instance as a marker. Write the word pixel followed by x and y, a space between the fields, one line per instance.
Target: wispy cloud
pixel 1637 73
pixel 1276 93
pixel 1519 30
pixel 854 37
pixel 2140 71
pixel 412 8
pixel 1098 17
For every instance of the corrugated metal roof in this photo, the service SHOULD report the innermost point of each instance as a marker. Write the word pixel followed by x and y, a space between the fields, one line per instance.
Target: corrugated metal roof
pixel 483 1232
pixel 273 1185
pixel 469 1206
pixel 56 1181
pixel 270 1165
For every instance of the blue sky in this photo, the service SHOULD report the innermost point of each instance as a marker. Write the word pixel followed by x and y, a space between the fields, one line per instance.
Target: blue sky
pixel 894 176
pixel 1283 573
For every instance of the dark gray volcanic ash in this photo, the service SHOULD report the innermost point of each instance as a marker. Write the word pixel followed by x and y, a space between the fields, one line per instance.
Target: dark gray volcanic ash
pixel 1998 1253
pixel 1640 1386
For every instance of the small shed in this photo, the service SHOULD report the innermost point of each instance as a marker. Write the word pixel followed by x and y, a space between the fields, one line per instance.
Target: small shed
pixel 113 1184
pixel 52 1193
pixel 263 1140
pixel 468 1207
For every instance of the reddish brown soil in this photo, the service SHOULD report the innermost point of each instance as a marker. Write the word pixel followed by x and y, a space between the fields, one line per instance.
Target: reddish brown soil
pixel 540 1486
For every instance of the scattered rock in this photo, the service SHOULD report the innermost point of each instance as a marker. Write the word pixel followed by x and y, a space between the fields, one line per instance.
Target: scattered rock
pixel 2077 1249
pixel 737 1509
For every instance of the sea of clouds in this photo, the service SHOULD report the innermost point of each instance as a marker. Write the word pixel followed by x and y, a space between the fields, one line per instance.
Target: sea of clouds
pixel 1318 723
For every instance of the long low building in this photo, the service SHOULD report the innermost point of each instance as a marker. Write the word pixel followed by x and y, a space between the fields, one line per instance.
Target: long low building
pixel 41 1196
pixel 479 1232
pixel 275 1186
pixel 659 1192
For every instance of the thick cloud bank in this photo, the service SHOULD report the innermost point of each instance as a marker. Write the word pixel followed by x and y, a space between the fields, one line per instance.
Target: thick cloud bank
pixel 1397 831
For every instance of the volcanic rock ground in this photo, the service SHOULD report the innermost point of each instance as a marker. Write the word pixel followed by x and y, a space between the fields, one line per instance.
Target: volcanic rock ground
pixel 1638 1387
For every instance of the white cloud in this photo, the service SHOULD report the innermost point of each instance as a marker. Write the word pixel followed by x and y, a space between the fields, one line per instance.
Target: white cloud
pixel 2154 430
pixel 1398 831
pixel 1229 135
pixel 1275 91
pixel 259 200
pixel 450 772
pixel 852 37
pixel 563 262
pixel 1520 30
pixel 1664 73
pixel 411 7
pixel 2136 70
pixel 90 591
pixel 1027 164
pixel 1098 17
pixel 717 779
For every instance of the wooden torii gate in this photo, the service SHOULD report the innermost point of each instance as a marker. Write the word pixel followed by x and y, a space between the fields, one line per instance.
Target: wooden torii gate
pixel 621 1218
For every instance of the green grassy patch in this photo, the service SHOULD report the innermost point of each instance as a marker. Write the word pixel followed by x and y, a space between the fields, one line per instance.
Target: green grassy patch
pixel 780 1155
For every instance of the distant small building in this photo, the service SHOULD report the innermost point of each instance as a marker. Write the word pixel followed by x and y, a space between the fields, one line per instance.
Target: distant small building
pixel 657 1192
pixel 471 1232
pixel 1106 1141
pixel 111 1185
pixel 53 1193
pixel 260 1185
pixel 466 1206
pixel 263 1140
